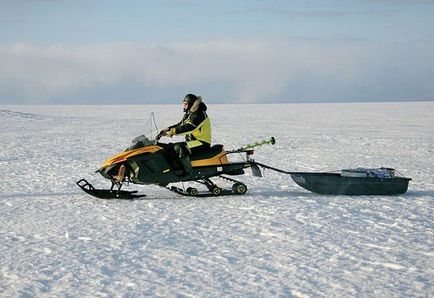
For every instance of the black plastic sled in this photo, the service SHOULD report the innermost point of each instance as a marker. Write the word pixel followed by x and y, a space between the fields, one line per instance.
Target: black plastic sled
pixel 352 182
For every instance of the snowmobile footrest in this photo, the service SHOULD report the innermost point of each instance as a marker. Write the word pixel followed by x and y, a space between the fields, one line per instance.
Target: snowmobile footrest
pixel 106 193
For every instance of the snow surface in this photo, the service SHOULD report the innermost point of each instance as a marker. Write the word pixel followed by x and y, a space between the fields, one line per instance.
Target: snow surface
pixel 278 240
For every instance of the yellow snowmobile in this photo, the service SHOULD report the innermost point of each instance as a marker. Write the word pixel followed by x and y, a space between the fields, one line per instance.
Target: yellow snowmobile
pixel 151 162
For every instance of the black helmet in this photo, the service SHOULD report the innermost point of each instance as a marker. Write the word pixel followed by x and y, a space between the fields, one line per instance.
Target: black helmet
pixel 190 99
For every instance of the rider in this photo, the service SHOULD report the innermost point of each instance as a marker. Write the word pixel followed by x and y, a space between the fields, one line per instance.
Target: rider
pixel 196 127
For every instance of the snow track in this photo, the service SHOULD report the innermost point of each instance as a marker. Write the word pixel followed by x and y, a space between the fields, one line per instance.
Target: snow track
pixel 277 240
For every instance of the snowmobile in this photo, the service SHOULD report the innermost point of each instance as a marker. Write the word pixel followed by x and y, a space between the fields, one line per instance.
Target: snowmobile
pixel 151 162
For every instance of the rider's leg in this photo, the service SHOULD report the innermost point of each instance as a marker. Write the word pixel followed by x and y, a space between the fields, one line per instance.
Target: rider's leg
pixel 184 157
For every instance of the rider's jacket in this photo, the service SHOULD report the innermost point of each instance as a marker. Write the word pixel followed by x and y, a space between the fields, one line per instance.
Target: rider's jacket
pixel 195 125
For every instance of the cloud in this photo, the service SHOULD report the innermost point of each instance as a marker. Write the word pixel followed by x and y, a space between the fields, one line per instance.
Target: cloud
pixel 312 13
pixel 399 2
pixel 223 70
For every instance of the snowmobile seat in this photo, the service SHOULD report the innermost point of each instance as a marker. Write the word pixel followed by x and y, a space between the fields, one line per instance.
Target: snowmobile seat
pixel 213 151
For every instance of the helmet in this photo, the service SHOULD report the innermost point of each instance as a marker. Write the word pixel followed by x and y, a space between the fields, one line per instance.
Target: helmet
pixel 189 99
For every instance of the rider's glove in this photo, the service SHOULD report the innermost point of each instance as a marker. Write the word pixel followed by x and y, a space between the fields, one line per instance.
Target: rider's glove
pixel 164 131
pixel 170 132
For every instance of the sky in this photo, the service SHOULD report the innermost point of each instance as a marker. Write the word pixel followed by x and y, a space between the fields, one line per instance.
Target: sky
pixel 140 52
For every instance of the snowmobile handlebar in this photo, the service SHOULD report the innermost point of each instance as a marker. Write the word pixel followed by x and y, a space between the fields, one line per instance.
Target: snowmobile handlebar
pixel 160 135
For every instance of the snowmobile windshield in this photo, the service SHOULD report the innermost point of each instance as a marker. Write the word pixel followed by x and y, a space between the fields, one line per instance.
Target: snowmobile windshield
pixel 139 142
pixel 150 130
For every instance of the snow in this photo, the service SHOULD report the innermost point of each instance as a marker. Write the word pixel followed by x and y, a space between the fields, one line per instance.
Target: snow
pixel 277 240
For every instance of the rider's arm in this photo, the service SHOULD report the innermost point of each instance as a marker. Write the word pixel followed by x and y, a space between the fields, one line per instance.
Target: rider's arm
pixel 190 123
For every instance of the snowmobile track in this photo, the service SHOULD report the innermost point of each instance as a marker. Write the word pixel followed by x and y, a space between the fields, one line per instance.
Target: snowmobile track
pixel 238 188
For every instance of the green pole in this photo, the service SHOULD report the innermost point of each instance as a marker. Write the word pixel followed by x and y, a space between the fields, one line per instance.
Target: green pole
pixel 271 141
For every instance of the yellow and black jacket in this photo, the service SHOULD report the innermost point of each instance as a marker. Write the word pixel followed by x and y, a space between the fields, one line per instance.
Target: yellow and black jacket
pixel 195 125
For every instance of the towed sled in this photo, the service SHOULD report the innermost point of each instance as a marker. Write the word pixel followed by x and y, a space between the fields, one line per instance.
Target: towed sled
pixel 351 182
pixel 381 181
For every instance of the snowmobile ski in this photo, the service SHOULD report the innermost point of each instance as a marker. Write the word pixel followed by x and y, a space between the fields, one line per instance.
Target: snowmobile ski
pixel 108 194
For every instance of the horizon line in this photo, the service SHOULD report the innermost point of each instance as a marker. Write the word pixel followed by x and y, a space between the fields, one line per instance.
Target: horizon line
pixel 225 103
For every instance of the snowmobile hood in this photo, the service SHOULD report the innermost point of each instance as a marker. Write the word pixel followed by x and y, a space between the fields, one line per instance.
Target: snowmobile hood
pixel 121 157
